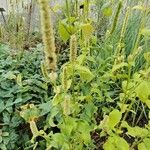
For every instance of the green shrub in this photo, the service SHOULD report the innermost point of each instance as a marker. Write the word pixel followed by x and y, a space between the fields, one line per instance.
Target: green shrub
pixel 21 83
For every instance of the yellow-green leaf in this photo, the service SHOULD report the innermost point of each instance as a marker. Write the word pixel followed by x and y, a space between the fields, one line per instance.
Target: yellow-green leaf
pixel 87 30
pixel 63 31
pixel 116 143
pixel 114 118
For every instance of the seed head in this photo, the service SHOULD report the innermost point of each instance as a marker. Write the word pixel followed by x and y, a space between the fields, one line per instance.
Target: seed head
pixel 48 36
pixel 73 48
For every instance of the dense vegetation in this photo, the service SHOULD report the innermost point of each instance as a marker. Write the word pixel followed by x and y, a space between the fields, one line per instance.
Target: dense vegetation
pixel 80 82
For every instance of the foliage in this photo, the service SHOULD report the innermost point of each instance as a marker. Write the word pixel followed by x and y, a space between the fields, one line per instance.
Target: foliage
pixel 21 83
pixel 98 99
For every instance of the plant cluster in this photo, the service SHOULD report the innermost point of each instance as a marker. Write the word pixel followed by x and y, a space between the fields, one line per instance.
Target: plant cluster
pixel 21 83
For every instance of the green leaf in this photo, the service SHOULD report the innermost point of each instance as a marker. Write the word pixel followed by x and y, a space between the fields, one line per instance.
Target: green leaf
pixel 58 140
pixel 145 145
pixel 2 106
pixel 87 30
pixel 6 117
pixel 65 30
pixel 114 118
pixel 5 134
pixel 107 9
pixel 68 125
pixel 123 106
pixel 66 146
pixel 89 110
pixel 147 57
pixel 3 146
pixel 116 143
pixel 135 131
pixel 18 100
pixel 141 146
pixel 62 30
pixel 84 128
pixel 52 114
pixel 119 66
pixel 30 113
pixel 147 142
pixel 57 99
pixel 84 72
pixel 45 108
pixel 145 32
pixel 144 94
pixel 81 58
pixel 1 139
pixel 127 86
pixel 10 75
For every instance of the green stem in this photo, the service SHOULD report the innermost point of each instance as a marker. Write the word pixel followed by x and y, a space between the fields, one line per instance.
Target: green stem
pixel 126 89
pixel 68 11
pixel 133 122
pixel 139 118
pixel 77 8
pixel 116 17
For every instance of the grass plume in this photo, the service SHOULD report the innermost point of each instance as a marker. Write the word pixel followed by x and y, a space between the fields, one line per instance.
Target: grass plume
pixel 48 36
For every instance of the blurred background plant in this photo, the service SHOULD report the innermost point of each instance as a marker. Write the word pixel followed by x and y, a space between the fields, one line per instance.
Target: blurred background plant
pixel 104 94
pixel 18 29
